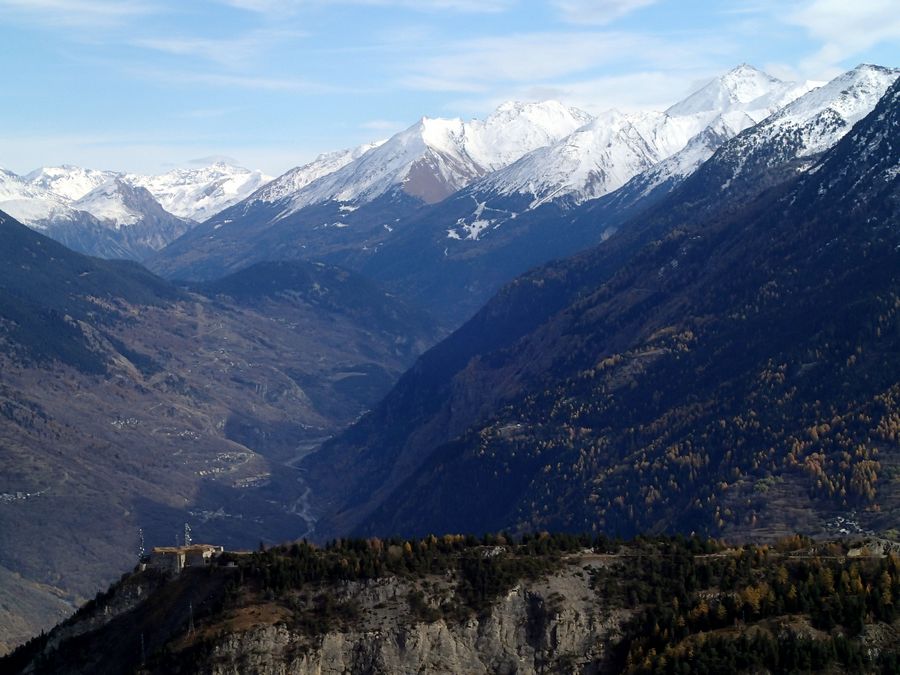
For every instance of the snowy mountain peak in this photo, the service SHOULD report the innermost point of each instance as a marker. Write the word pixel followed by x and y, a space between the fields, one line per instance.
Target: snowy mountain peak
pixel 70 182
pixel 515 128
pixel 805 127
pixel 546 113
pixel 606 153
pixel 747 81
pixel 427 161
pixel 738 86
pixel 438 133
pixel 817 120
pixel 199 194
pixel 596 158
pixel 435 156
pixel 851 95
pixel 112 203
pixel 114 219
pixel 196 194
pixel 30 204
pixel 299 177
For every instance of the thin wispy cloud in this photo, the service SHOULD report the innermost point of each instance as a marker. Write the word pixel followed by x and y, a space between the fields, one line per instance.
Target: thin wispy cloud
pixel 845 29
pixel 227 80
pixel 315 75
pixel 645 90
pixel 473 65
pixel 458 5
pixel 382 125
pixel 282 7
pixel 598 12
pixel 76 13
pixel 146 152
pixel 240 51
pixel 213 159
pixel 545 59
pixel 741 8
pixel 207 113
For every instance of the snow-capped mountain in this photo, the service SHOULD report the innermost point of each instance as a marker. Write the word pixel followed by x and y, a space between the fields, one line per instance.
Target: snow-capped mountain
pixel 520 157
pixel 67 181
pixel 741 99
pixel 807 126
pixel 199 194
pixel 120 204
pixel 531 180
pixel 803 127
pixel 130 216
pixel 31 204
pixel 195 194
pixel 299 177
pixel 436 157
pixel 753 125
pixel 111 202
pixel 111 214
pixel 596 159
pixel 605 154
pixel 458 252
pixel 516 128
pixel 744 88
pixel 114 219
pixel 348 200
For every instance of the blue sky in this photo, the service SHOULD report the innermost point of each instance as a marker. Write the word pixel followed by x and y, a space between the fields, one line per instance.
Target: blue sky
pixel 146 85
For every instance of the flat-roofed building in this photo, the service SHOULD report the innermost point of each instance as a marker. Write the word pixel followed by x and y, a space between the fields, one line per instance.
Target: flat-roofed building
pixel 175 558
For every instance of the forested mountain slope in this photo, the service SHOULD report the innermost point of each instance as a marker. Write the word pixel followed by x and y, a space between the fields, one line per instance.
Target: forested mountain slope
pixel 463 604
pixel 739 370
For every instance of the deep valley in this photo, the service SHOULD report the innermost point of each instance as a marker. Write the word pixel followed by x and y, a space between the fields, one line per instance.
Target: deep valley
pixel 545 391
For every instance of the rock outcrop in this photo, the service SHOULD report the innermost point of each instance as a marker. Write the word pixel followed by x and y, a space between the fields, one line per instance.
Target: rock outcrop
pixel 558 624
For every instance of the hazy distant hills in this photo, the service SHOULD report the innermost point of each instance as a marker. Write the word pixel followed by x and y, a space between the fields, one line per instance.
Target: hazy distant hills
pixel 721 365
pixel 128 403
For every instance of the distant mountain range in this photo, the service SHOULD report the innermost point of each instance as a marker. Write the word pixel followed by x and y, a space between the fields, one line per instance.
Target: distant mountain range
pixel 122 215
pixel 572 182
pixel 446 211
pixel 604 155
pixel 345 203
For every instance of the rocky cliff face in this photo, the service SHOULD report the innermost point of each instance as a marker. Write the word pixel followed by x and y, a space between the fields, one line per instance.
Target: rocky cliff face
pixel 554 625
pixel 457 604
